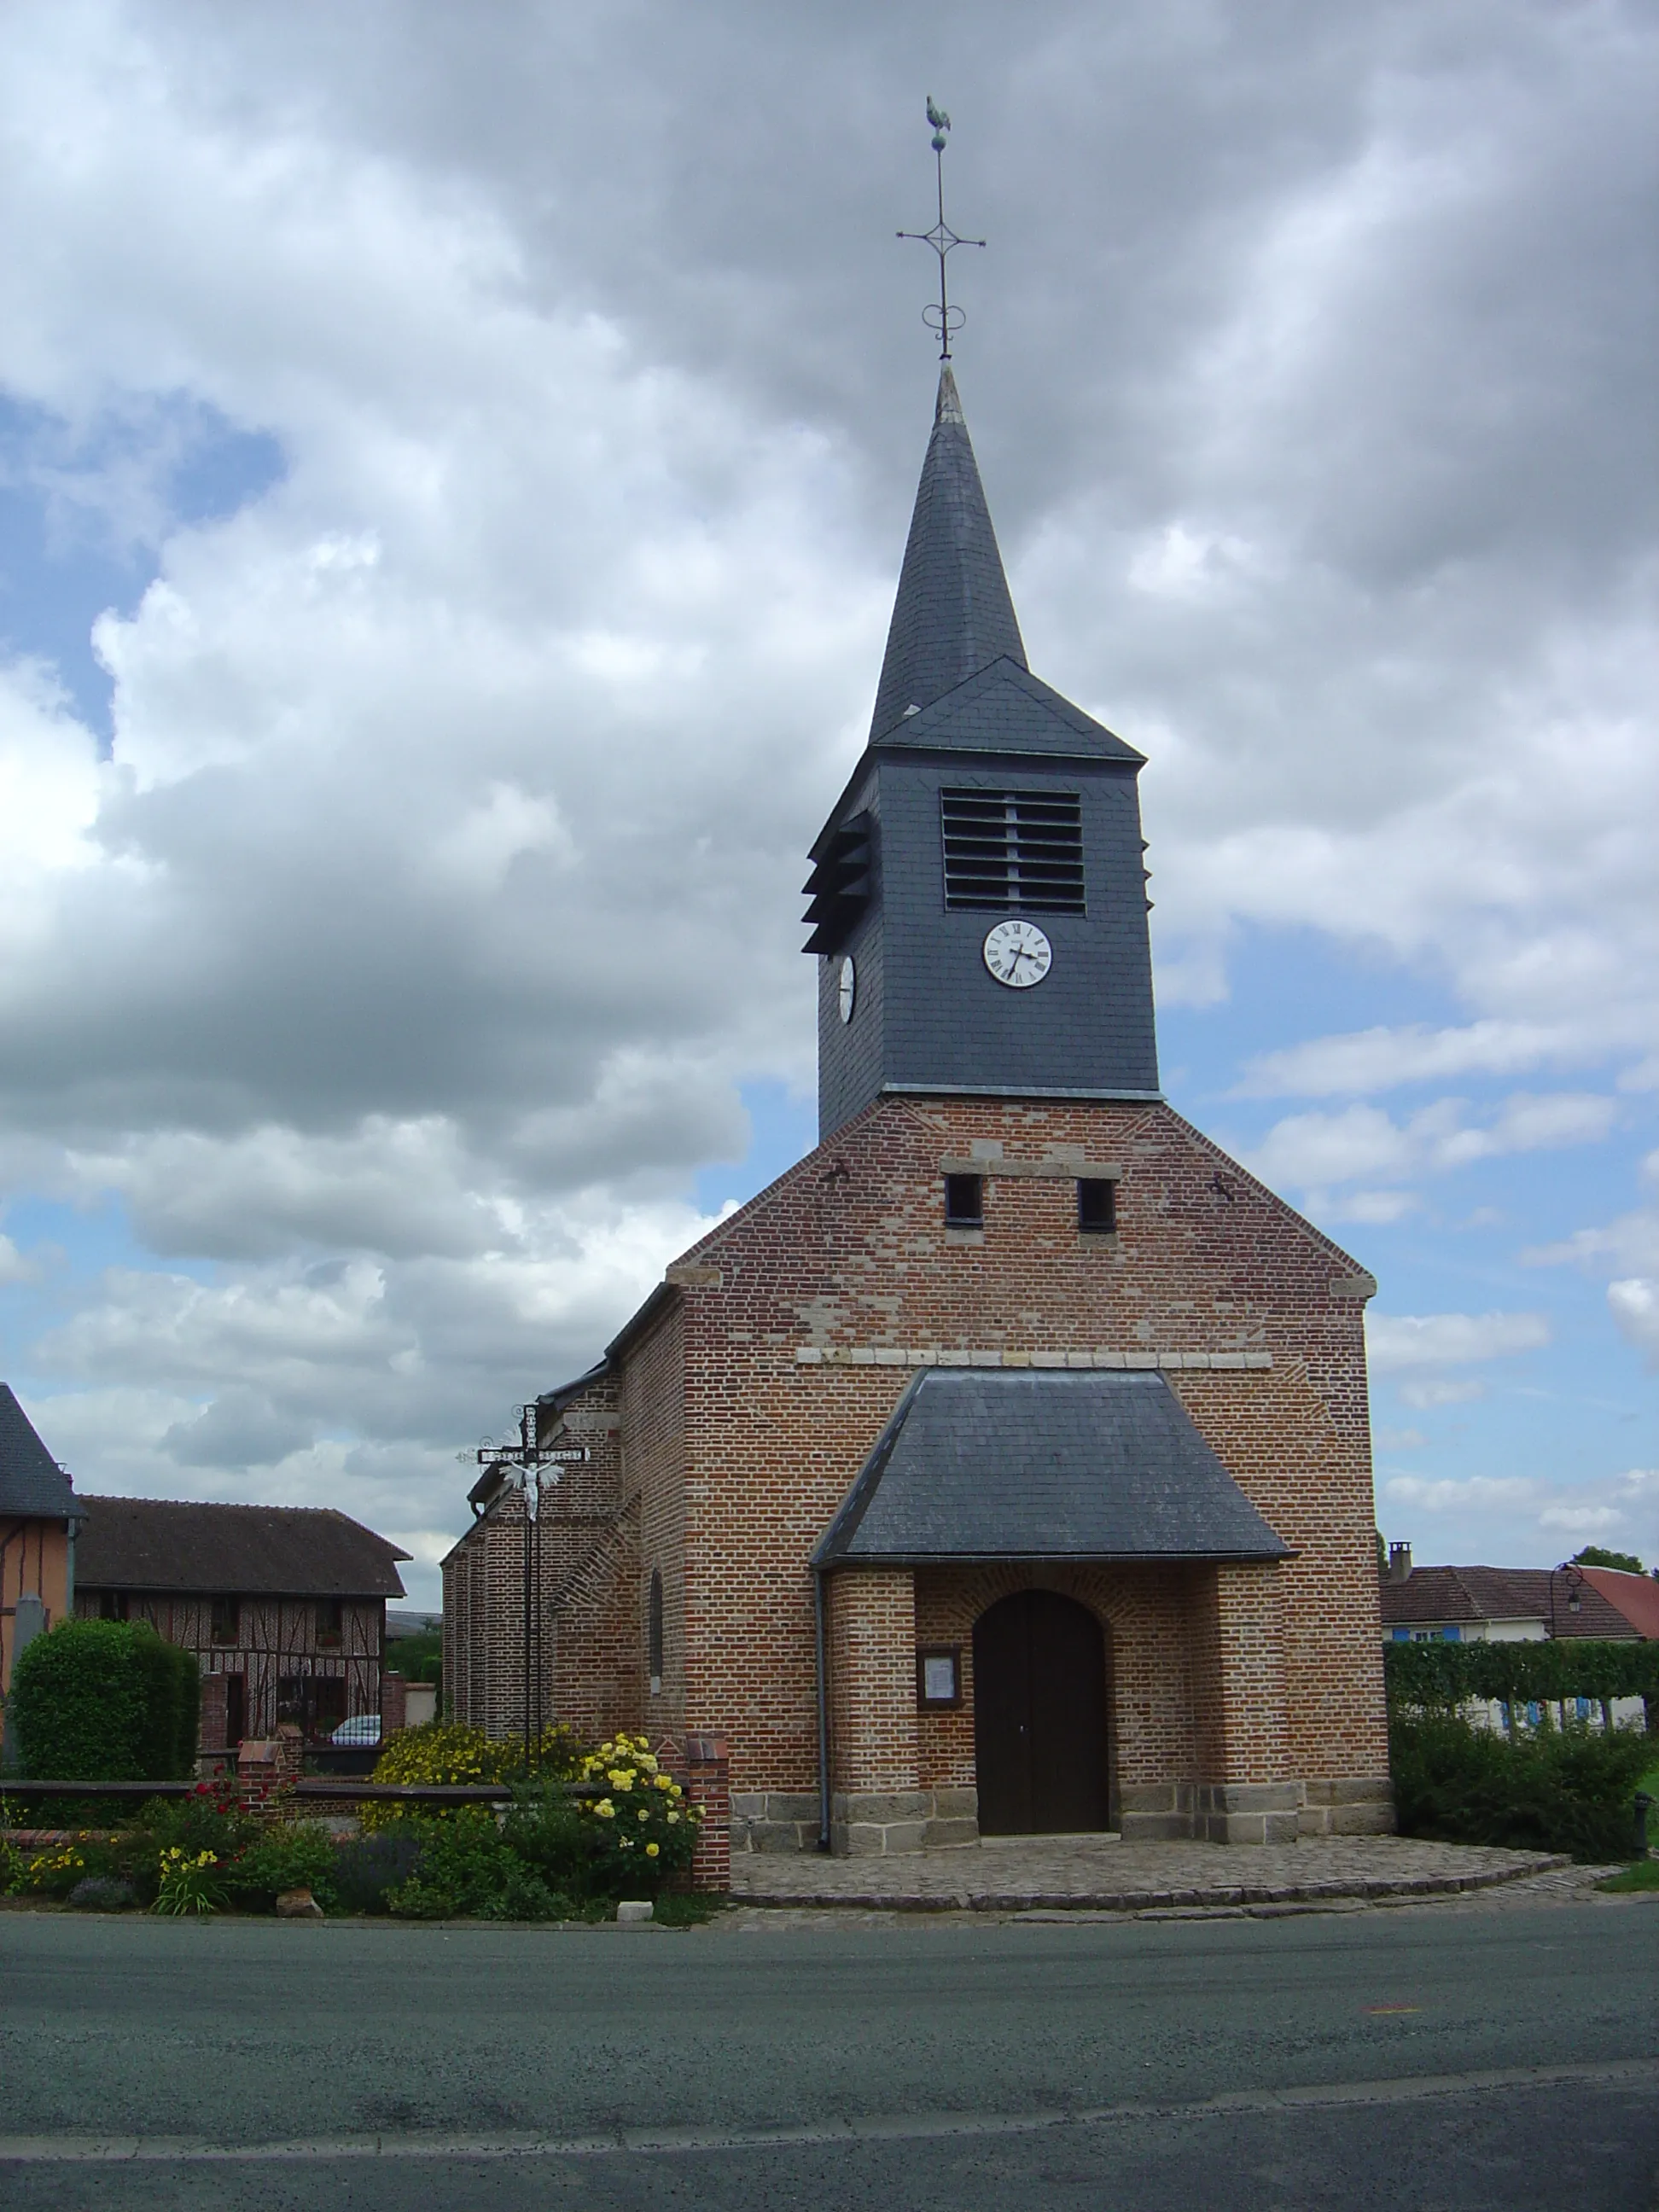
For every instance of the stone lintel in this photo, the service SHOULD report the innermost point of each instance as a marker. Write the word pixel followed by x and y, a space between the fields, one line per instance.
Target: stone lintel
pixel 1067 1165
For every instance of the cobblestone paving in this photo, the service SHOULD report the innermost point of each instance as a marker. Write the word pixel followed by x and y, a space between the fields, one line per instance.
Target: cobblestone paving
pixel 1069 1874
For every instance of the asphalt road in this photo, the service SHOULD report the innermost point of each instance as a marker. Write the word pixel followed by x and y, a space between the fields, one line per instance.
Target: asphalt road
pixel 1425 2058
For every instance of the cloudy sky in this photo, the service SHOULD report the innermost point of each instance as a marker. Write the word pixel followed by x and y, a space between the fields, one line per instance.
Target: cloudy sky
pixel 453 467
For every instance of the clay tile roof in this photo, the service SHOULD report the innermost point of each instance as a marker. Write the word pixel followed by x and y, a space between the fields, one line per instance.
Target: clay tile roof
pixel 32 1486
pixel 1458 1597
pixel 291 1551
pixel 989 1464
pixel 1635 1597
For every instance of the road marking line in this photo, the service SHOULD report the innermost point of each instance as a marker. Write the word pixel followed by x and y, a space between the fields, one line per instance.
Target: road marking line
pixel 106 2150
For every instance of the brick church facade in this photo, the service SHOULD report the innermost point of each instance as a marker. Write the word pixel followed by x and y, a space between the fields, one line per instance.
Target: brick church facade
pixel 1006 1464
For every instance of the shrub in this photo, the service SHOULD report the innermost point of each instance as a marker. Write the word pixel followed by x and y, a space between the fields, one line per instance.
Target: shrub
pixel 104 1892
pixel 546 1829
pixel 292 1855
pixel 1566 1790
pixel 466 1867
pixel 642 1829
pixel 367 1870
pixel 54 1871
pixel 188 1883
pixel 106 1701
pixel 451 1752
pixel 211 1819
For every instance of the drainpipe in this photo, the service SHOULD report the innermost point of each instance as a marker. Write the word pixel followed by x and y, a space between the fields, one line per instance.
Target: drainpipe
pixel 823 1711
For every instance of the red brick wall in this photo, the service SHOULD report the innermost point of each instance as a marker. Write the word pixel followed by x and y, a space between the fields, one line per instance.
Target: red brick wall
pixel 872 1680
pixel 740 1453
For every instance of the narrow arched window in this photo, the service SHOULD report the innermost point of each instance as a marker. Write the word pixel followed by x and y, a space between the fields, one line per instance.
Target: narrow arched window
pixel 655 1629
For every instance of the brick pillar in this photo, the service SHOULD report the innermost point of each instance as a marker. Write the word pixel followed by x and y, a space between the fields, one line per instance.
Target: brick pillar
pixel 1246 1793
pixel 394 1705
pixel 265 1765
pixel 877 1804
pixel 709 1783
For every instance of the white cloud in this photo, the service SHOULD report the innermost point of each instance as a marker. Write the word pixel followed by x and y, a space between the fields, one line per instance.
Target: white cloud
pixel 1385 1058
pixel 1428 1494
pixel 1634 1304
pixel 1581 1520
pixel 1399 1343
pixel 1314 1151
pixel 13 1266
pixel 1400 1439
pixel 400 964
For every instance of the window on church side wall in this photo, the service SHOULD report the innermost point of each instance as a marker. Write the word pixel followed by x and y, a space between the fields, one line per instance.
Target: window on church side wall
pixel 964 1201
pixel 655 1632
pixel 1097 1206
pixel 1013 848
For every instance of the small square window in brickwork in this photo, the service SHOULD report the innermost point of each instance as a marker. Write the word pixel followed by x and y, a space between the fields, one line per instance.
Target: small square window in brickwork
pixel 1097 1206
pixel 964 1201
pixel 1013 848
pixel 225 1620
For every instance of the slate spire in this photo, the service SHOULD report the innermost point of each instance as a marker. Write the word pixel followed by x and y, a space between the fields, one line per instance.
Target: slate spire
pixel 953 615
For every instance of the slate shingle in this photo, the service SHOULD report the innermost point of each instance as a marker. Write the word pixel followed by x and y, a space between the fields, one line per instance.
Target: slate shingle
pixel 1044 1464
pixel 953 615
pixel 32 1486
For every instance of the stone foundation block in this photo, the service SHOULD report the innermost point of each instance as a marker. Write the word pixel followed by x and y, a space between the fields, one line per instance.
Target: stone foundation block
pixel 1247 1812
pixel 774 1821
pixel 1360 1805
pixel 1155 1812
pixel 880 1823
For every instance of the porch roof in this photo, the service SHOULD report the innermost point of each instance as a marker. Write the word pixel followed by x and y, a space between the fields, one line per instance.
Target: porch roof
pixel 982 1464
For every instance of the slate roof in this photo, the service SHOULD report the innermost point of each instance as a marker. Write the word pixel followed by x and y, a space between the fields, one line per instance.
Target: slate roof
pixel 32 1486
pixel 1432 1598
pixel 1042 1463
pixel 1004 708
pixel 953 615
pixel 289 1551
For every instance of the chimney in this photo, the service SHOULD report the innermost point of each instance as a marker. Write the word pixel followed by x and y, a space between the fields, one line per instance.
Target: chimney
pixel 1399 1563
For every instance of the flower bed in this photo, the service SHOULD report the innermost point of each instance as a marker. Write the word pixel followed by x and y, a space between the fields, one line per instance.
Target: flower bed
pixel 580 1831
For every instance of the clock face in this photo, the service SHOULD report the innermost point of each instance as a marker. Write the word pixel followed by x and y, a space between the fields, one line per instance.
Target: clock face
pixel 1018 954
pixel 848 989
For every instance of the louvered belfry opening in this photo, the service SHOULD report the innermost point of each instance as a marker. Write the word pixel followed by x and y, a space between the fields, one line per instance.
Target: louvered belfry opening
pixel 840 886
pixel 1013 848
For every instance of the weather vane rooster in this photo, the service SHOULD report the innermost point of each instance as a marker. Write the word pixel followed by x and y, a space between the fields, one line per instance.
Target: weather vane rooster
pixel 939 315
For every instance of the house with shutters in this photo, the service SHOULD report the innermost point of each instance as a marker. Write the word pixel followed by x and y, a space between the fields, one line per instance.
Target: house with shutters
pixel 1005 1466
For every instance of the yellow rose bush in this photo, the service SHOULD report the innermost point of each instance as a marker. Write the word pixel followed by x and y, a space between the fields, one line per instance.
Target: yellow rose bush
pixel 641 1826
pixel 450 1751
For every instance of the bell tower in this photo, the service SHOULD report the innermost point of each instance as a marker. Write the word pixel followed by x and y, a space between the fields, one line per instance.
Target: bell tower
pixel 977 898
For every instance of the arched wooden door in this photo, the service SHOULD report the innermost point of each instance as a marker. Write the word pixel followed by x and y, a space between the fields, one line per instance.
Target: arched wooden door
pixel 1040 1717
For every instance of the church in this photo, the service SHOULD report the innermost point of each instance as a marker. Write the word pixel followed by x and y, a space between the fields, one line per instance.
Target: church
pixel 1005 1466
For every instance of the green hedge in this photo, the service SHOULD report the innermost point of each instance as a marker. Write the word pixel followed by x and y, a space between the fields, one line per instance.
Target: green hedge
pixel 1440 1677
pixel 106 1701
pixel 1544 1789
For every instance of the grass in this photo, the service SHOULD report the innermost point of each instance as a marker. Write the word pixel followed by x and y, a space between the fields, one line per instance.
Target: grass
pixel 687 1910
pixel 1641 1874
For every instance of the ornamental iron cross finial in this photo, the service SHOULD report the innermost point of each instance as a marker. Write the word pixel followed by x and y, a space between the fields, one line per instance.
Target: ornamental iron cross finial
pixel 941 316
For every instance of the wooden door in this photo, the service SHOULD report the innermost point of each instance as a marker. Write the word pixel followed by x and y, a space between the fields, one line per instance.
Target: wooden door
pixel 1040 1717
